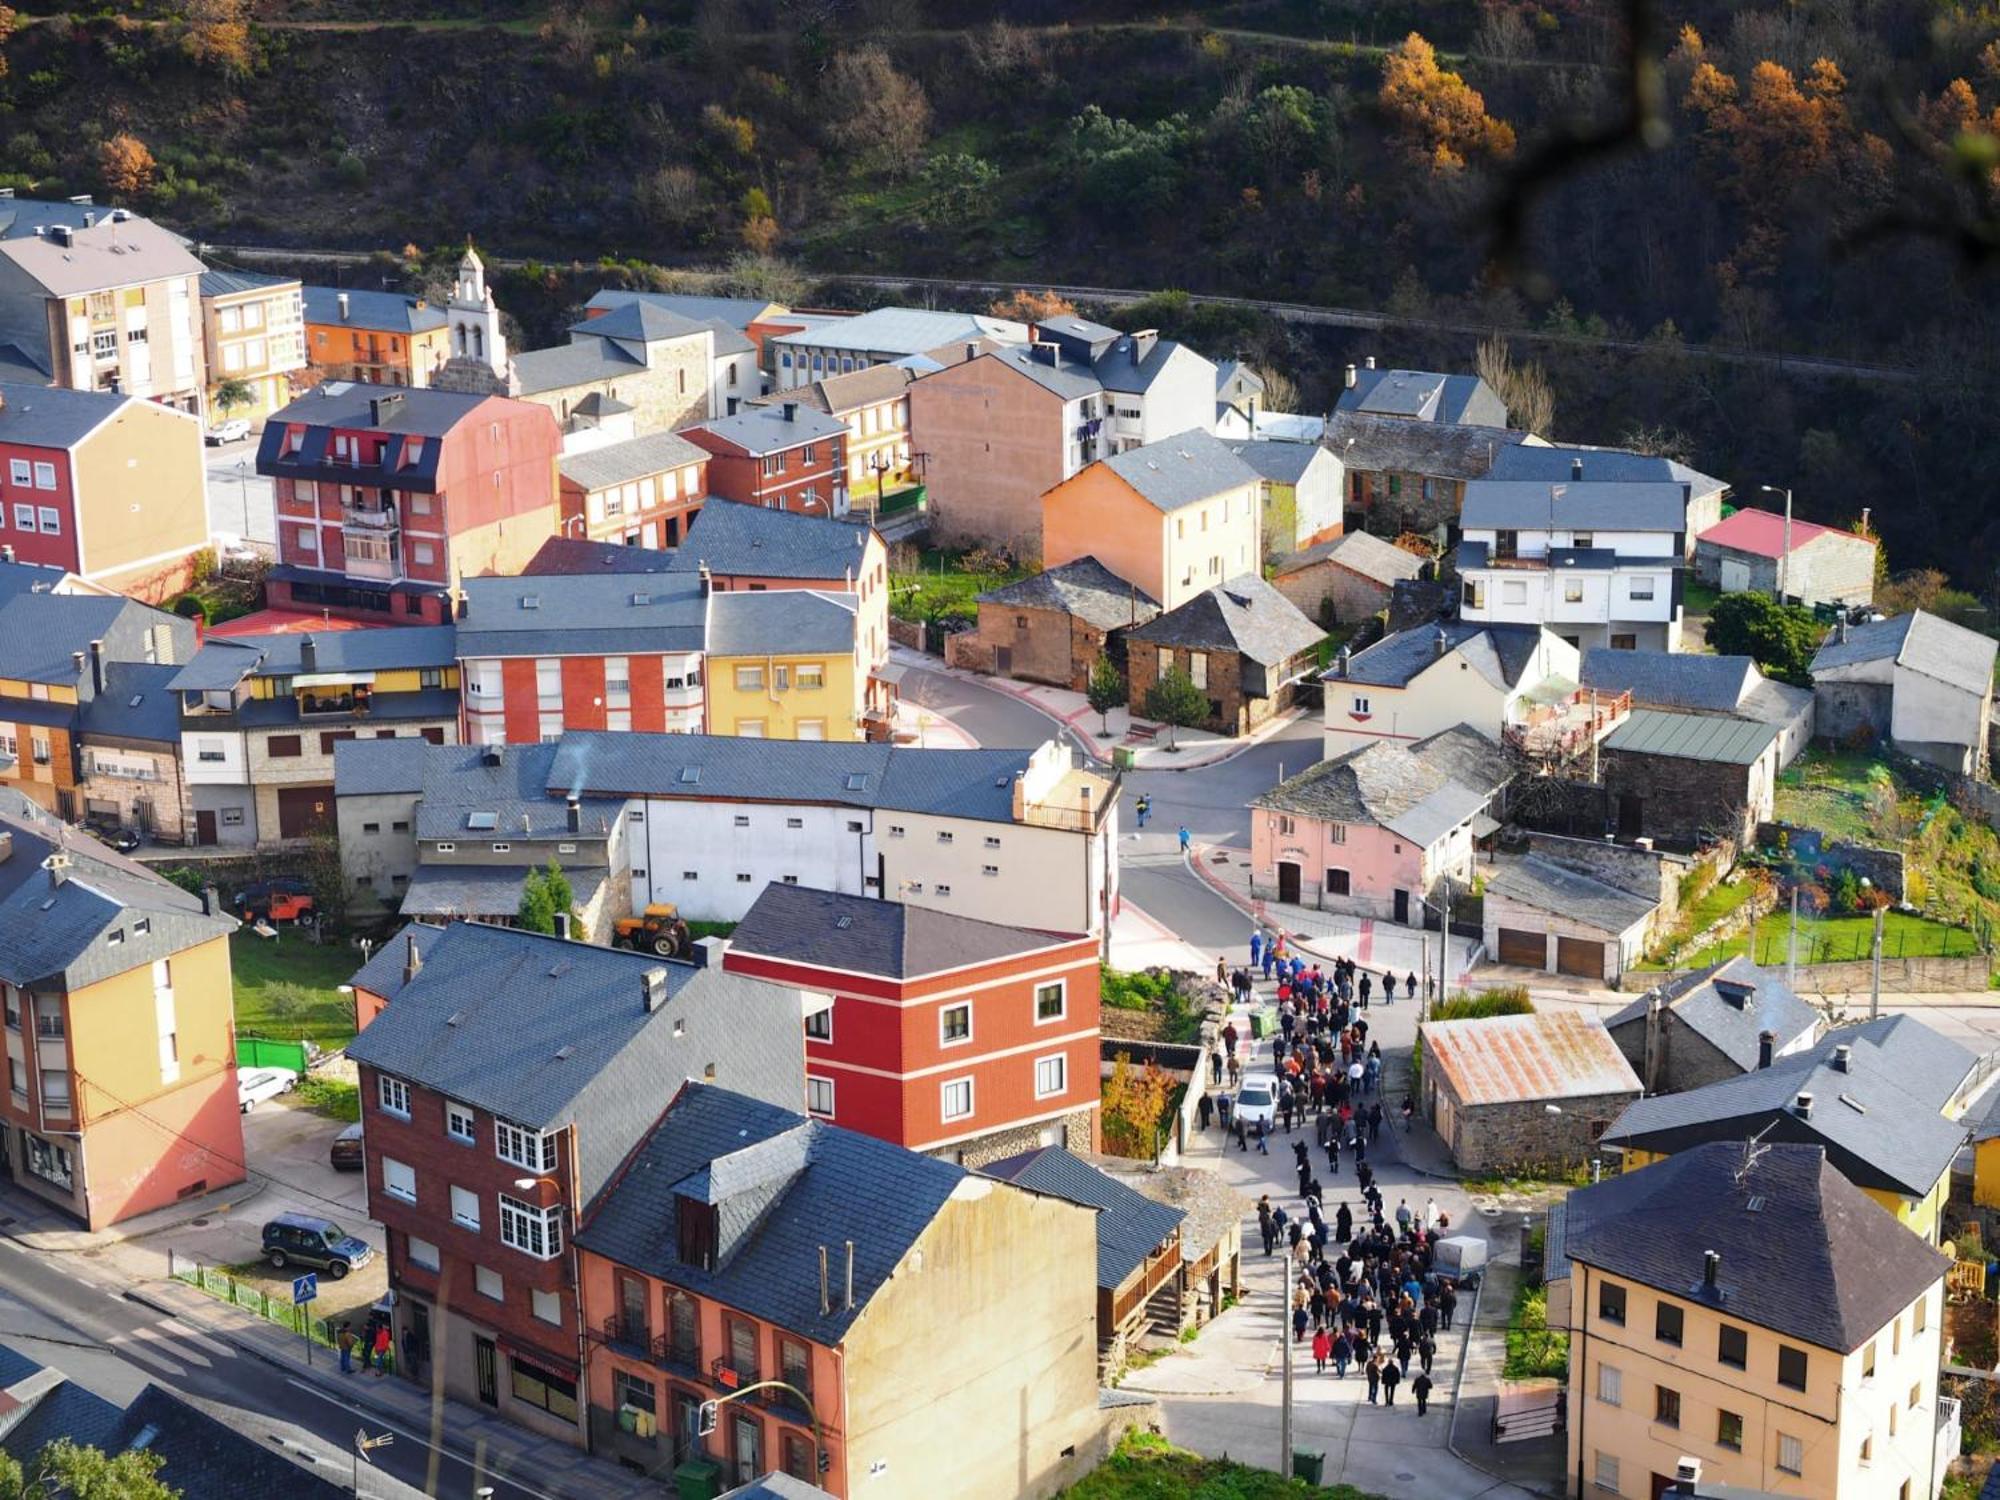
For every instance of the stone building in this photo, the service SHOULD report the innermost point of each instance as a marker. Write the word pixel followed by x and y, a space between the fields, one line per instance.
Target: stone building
pixel 1534 1090
pixel 1400 475
pixel 1719 1022
pixel 1242 643
pixel 1825 565
pixel 1687 780
pixel 1919 681
pixel 1354 574
pixel 1052 626
pixel 1562 917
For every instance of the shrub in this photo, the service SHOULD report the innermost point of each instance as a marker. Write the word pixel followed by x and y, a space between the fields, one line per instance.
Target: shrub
pixel 1474 1005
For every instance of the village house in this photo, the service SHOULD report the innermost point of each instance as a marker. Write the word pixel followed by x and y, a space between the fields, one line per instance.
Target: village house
pixel 1815 1374
pixel 787 664
pixel 745 1243
pixel 1533 1091
pixel 960 1038
pixel 1536 463
pixel 1211 1238
pixel 253 328
pixel 1399 475
pixel 740 324
pixel 832 346
pixel 1174 518
pixel 1718 1022
pixel 1243 645
pixel 1239 399
pixel 1373 831
pixel 1298 493
pixel 118 1028
pixel 502 1088
pixel 1582 907
pixel 1052 626
pixel 386 499
pixel 1747 552
pixel 100 299
pixel 875 406
pixel 655 362
pixel 562 557
pixel 1345 581
pixel 131 738
pixel 1421 396
pixel 1883 1097
pixel 373 338
pixel 1416 682
pixel 1685 682
pixel 1918 681
pixel 1686 780
pixel 784 457
pixel 643 492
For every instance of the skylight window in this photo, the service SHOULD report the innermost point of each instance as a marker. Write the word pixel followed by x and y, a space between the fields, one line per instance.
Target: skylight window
pixel 690 775
pixel 843 923
pixel 857 781
pixel 482 822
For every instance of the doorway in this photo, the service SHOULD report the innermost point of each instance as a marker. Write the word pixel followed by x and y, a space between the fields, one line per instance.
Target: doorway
pixel 486 1365
pixel 204 828
pixel 1403 908
pixel 420 1341
pixel 1631 815
pixel 1288 882
pixel 1003 661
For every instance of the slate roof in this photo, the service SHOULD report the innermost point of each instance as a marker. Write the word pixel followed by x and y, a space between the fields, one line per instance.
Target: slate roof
pixel 975 784
pixel 620 463
pixel 1467 756
pixel 30 578
pixel 758 430
pixel 1185 469
pixel 230 283
pixel 1083 587
pixel 136 704
pixel 1551 887
pixel 1069 378
pixel 486 892
pixel 838 394
pixel 780 622
pixel 46 416
pixel 547 1033
pixel 388 312
pixel 737 312
pixel 862 935
pixel 1386 784
pixel 1563 504
pixel 581 614
pixel 459 784
pixel 1425 395
pixel 757 542
pixel 1245 615
pixel 777 1485
pixel 1396 445
pixel 1672 679
pixel 1816 1259
pixel 639 323
pixel 1500 653
pixel 1547 463
pixel 1556 1054
pixel 1358 552
pixel 1130 1226
pixel 900 330
pixel 383 973
pixel 224 662
pixel 826 1186
pixel 1706 737
pixel 561 555
pixel 60 935
pixel 1122 368
pixel 1762 532
pixel 40 633
pixel 1727 1005
pixel 102 256
pixel 422 411
pixel 1922 642
pixel 1278 462
pixel 535 372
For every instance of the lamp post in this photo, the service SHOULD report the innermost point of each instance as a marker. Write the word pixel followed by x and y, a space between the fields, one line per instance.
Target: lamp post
pixel 243 494
pixel 1785 557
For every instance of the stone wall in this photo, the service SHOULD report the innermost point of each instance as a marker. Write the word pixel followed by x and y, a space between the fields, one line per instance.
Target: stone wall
pixel 1687 1060
pixel 1682 802
pixel 1230 711
pixel 1354 597
pixel 1645 872
pixel 1912 976
pixel 1523 1134
pixel 1077 1131
pixel 1844 708
pixel 907 633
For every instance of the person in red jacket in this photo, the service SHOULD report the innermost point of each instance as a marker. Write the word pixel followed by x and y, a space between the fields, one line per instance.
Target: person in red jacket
pixel 1322 1350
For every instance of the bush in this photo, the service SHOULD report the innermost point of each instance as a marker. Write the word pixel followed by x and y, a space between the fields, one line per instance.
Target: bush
pixel 351 171
pixel 330 1097
pixel 1476 1005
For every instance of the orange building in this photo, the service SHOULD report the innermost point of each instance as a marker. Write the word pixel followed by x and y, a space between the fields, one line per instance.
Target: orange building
pixel 383 338
pixel 118 1028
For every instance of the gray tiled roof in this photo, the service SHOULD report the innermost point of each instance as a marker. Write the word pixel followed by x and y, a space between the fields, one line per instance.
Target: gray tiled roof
pixel 1814 1259
pixel 841 1186
pixel 420 411
pixel 1591 505
pixel 1068 378
pixel 225 662
pixel 756 542
pixel 547 1033
pixel 579 362
pixel 1358 552
pixel 1083 587
pixel 899 330
pixel 1245 615
pixel 1556 463
pixel 229 283
pixel 1185 469
pixel 389 312
pixel 1122 368
pixel 1672 679
pixel 1425 395
pixel 1130 1226
pixel 29 578
pixel 485 892
pixel 581 614
pixel 383 973
pixel 103 256
pixel 1708 737
pixel 45 416
pixel 863 935
pixel 620 463
pixel 1727 1005
pixel 765 429
pixel 460 784
pixel 379 768
pixel 1396 445
pixel 567 554
pixel 1548 886
pixel 839 394
pixel 639 323
pixel 780 622
pixel 1402 788
pixel 1278 462
pixel 1501 653
pixel 136 704
pixel 1920 641
pixel 40 633
pixel 737 312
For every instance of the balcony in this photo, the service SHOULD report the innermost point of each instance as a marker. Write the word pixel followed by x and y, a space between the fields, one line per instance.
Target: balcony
pixel 1562 727
pixel 633 1337
pixel 369 518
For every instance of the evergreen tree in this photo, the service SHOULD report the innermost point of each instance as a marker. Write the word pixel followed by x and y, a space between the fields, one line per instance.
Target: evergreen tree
pixel 1106 690
pixel 1176 702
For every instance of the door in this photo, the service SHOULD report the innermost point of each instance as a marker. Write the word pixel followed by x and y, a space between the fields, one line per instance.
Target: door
pixel 1735 580
pixel 1003 661
pixel 1631 815
pixel 687 1416
pixel 486 1365
pixel 304 811
pixel 420 1340
pixel 1581 957
pixel 204 828
pixel 1403 908
pixel 747 1450
pixel 1527 949
pixel 1288 882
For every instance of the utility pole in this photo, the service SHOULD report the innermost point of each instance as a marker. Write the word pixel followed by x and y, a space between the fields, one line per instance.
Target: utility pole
pixel 1785 557
pixel 1791 947
pixel 1875 986
pixel 1285 1407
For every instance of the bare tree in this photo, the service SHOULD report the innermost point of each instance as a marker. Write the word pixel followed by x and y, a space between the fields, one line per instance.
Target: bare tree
pixel 1524 389
pixel 1280 391
pixel 874 111
pixel 669 197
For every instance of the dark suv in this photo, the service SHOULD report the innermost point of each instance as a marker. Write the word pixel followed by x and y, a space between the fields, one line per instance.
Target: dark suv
pixel 317 1244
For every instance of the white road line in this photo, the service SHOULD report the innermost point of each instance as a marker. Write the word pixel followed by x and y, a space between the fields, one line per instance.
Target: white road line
pixel 132 1349
pixel 372 1417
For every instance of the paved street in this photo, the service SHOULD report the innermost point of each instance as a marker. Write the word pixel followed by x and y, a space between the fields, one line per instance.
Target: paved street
pixel 239 500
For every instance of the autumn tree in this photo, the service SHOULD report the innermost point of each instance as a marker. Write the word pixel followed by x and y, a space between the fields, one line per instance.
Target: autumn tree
pixel 1135 1102
pixel 125 164
pixel 1441 117
pixel 1024 306
pixel 218 34
pixel 874 112
pixel 1524 390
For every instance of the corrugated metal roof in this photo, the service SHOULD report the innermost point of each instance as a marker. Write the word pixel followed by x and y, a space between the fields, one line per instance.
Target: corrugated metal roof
pixel 1542 1055
pixel 1652 731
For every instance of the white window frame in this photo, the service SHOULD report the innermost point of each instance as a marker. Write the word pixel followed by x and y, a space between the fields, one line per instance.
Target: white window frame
pixel 455 1114
pixel 1796 1449
pixel 1604 1475
pixel 459 1215
pixel 393 1095
pixel 1610 1385
pixel 533 1150
pixel 498 1291
pixel 394 1175
pixel 1061 987
pixel 530 1231
pixel 1061 1061
pixel 947 1010
pixel 817 1087
pixel 539 1300
pixel 945 1111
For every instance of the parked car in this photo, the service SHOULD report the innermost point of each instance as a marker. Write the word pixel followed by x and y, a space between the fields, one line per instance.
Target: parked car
pixel 314 1243
pixel 124 840
pixel 255 1085
pixel 233 431
pixel 345 1154
pixel 279 899
pixel 1257 1099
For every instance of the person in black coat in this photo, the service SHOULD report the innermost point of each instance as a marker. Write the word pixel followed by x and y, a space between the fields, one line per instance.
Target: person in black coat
pixel 1421 1389
pixel 1391 1373
pixel 1343 1225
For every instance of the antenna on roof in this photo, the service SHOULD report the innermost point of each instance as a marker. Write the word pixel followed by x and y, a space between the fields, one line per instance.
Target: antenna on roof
pixel 1754 1151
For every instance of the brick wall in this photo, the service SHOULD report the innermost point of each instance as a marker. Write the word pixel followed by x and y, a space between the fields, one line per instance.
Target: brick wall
pixel 1354 597
pixel 1683 802
pixel 1522 1133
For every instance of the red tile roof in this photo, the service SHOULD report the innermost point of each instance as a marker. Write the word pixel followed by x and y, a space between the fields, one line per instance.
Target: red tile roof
pixel 1762 532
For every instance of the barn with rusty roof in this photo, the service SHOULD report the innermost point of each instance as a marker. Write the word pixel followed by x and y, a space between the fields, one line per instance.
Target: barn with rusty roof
pixel 1527 1091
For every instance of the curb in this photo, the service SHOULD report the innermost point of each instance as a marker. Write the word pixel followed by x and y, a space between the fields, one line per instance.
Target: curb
pixel 25 1238
pixel 1451 1433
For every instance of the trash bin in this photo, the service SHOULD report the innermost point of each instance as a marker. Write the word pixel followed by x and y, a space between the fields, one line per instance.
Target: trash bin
pixel 1257 1025
pixel 698 1479
pixel 1308 1466
pixel 1123 757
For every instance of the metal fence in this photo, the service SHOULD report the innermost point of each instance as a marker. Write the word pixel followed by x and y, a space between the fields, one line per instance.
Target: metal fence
pixel 1773 943
pixel 263 1052
pixel 224 1287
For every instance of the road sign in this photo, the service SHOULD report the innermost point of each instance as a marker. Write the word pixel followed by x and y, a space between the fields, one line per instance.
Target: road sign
pixel 304 1289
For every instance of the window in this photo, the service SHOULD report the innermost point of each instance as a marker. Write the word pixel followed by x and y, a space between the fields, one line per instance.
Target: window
pixel 1668 1322
pixel 955 1099
pixel 1606 1475
pixel 1609 1384
pixel 1642 588
pixel 535 1232
pixel 51 1163
pixel 940 888
pixel 18 471
pixel 1611 1302
pixel 1583 540
pixel 543 1389
pixel 895 830
pixel 1572 591
pixel 743 1348
pixel 393 1095
pixel 13 1004
pixel 458 1122
pixel 1791 1367
pixel 1360 708
pixel 1868 1361
pixel 819 1025
pixel 683 1328
pixel 1791 1454
pixel 45 476
pixel 819 1096
pixel 51 521
pixel 1729 1431
pixel 1513 591
pixel 24 517
pixel 634 1391
pixel 1896 1337
pixel 795 1364
pixel 1339 882
pixel 742 877
pixel 399 1179
pixel 1666 1406
pixel 811 675
pixel 944 837
pixel 524 1148
pixel 1868 1448
pixel 1051 1076
pixel 955 1024
pixel 49 1023
pixel 1732 1347
pixel 284 747
pixel 423 1253
pixel 546 1305
pixel 1336 833
pixel 989 869
pixel 742 820
pixel 1920 1314
pixel 464 1208
pixel 749 679
pixel 1916 1395
pixel 795 822
pixel 55 1088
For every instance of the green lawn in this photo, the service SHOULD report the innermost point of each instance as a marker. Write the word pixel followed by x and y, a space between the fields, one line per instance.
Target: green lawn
pixel 286 988
pixel 1835 939
pixel 1534 1350
pixel 942 586
pixel 1839 793
pixel 1148 1467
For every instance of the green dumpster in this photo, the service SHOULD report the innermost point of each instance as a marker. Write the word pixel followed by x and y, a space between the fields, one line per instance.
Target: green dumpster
pixel 698 1479
pixel 1257 1025
pixel 1124 757
pixel 1308 1466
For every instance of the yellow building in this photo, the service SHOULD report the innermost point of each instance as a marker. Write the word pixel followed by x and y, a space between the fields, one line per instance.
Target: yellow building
pixel 1783 1339
pixel 786 664
pixel 253 328
pixel 117 1026
pixel 875 405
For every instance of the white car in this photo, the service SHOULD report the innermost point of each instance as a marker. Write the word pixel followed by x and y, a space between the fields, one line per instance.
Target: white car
pixel 255 1085
pixel 1257 1099
pixel 233 431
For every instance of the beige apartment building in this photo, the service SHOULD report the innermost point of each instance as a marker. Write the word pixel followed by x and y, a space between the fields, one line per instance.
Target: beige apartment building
pixel 253 330
pixel 1785 1339
pixel 875 405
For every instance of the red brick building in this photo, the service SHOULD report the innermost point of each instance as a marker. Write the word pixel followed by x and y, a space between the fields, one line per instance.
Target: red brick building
pixel 959 1038
pixel 387 497
pixel 785 457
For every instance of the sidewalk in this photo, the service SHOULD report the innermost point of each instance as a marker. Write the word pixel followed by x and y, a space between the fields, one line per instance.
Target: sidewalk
pixel 1533 1463
pixel 920 726
pixel 37 1226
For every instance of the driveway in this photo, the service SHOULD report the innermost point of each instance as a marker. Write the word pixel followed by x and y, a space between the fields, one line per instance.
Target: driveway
pixel 239 498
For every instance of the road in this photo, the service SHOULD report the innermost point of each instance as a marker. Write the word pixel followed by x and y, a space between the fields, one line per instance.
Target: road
pixel 239 498
pixel 113 1347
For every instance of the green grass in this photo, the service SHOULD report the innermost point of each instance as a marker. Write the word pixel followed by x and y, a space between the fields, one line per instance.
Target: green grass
pixel 330 1097
pixel 1534 1350
pixel 286 988
pixel 1840 939
pixel 1720 901
pixel 1146 1466
pixel 1699 598
pixel 1477 1005
pixel 1152 992
pixel 942 587
pixel 1839 793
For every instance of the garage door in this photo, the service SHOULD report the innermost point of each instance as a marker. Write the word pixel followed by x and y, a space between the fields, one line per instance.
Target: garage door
pixel 304 811
pixel 1579 957
pixel 1527 948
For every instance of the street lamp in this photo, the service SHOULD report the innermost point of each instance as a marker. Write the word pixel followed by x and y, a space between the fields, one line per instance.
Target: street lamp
pixel 1785 557
pixel 243 494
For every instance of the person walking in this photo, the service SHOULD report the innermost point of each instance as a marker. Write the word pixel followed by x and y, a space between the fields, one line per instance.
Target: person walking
pixel 1403 1215
pixel 1389 988
pixel 1374 1380
pixel 1367 983
pixel 1322 1350
pixel 1144 808
pixel 1421 1389
pixel 1390 1375
pixel 347 1341
pixel 1186 838
pixel 1256 945
pixel 381 1348
pixel 1266 1229
pixel 1410 984
pixel 1374 1120
pixel 1342 1351
pixel 1263 1144
pixel 1447 1305
pixel 1430 1214
pixel 1427 1349
pixel 1206 1108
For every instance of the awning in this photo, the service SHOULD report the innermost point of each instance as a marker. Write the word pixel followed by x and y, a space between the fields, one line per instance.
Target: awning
pixel 889 671
pixel 1484 826
pixel 333 679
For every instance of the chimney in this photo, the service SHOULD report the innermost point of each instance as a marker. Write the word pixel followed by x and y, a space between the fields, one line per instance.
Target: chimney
pixel 493 755
pixel 1576 468
pixel 708 952
pixel 1843 1058
pixel 1143 342
pixel 308 654
pixel 1371 361
pixel 1840 629
pixel 562 925
pixel 1803 1105
pixel 97 666
pixel 575 809
pixel 413 959
pixel 1687 1476
pixel 825 1295
pixel 1440 643
pixel 76 661
pixel 383 409
pixel 7 553
pixel 1711 1268
pixel 848 1301
pixel 62 234
pixel 1341 658
pixel 343 306
pixel 1351 377
pixel 211 901
pixel 1767 1042
pixel 971 350
pixel 1044 354
pixel 707 581
pixel 653 988
pixel 791 411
